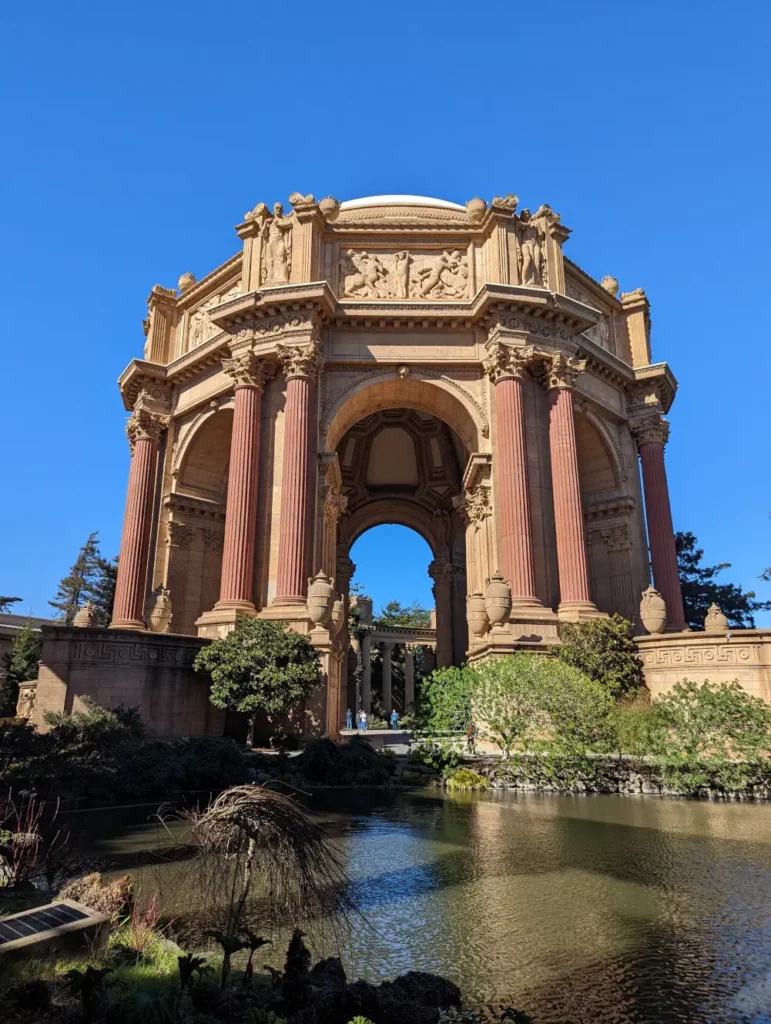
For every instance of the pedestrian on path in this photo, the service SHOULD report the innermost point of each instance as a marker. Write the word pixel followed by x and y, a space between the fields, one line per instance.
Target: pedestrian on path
pixel 471 738
pixel 349 719
pixel 394 719
pixel 362 720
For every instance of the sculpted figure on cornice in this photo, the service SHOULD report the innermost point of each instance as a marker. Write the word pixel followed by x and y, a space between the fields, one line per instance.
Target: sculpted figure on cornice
pixel 277 241
pixel 529 250
pixel 402 275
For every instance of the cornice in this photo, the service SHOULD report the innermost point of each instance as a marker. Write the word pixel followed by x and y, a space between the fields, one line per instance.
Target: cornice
pixel 213 281
pixel 593 286
pixel 247 310
pixel 137 373
pixel 605 364
pixel 661 379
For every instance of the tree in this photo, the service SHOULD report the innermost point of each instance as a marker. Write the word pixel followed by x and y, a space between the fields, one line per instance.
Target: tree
pixel 603 649
pixel 103 596
pixel 91 578
pixel 261 666
pixel 21 666
pixel 6 602
pixel 700 590
pixel 717 720
pixel 526 701
pixel 396 614
pixel 444 702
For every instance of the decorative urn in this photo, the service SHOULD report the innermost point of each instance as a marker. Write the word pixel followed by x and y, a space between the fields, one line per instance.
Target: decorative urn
pixel 476 614
pixel 186 281
pixel 337 618
pixel 158 610
pixel 321 597
pixel 475 209
pixel 84 617
pixel 329 207
pixel 497 600
pixel 610 284
pixel 653 611
pixel 715 621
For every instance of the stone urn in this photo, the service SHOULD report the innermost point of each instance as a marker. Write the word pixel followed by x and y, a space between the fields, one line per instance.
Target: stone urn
pixel 610 284
pixel 653 611
pixel 715 621
pixel 476 614
pixel 85 616
pixel 186 281
pixel 475 209
pixel 321 597
pixel 329 207
pixel 497 600
pixel 158 610
pixel 337 618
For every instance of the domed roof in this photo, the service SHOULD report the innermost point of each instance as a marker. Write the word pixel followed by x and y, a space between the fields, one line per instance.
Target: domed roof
pixel 367 201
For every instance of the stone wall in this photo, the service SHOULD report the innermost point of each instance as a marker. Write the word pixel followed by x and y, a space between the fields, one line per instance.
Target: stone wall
pixel 151 671
pixel 741 654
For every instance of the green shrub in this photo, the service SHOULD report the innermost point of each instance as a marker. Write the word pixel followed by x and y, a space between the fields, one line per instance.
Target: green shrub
pixel 441 757
pixel 715 720
pixel 604 650
pixel 466 779
pixel 638 727
pixel 327 763
pixel 444 702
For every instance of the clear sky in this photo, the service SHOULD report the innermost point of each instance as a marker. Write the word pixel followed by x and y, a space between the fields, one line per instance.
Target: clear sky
pixel 136 135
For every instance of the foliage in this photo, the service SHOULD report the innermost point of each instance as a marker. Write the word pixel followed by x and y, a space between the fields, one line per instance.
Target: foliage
pixel 297 971
pixel 716 720
pixel 261 666
pixel 324 762
pixel 444 702
pixel 604 650
pixel 396 614
pixel 700 589
pixel 441 757
pixel 6 602
pixel 140 928
pixel 91 578
pixel 638 727
pixel 22 666
pixel 466 779
pixel 114 898
pixel 27 849
pixel 524 701
pixel 89 985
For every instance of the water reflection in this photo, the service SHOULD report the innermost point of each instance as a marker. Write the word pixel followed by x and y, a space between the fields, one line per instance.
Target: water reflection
pixel 601 909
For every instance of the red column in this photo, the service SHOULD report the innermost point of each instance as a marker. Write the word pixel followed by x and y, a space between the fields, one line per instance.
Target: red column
pixel 440 573
pixel 237 582
pixel 575 599
pixel 144 432
pixel 300 364
pixel 514 496
pixel 652 435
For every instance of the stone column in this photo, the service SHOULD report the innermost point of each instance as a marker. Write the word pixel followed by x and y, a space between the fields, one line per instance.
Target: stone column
pixel 409 677
pixel 575 599
pixel 441 574
pixel 366 673
pixel 387 653
pixel 619 544
pixel 144 433
pixel 429 659
pixel 506 367
pixel 300 364
pixel 651 434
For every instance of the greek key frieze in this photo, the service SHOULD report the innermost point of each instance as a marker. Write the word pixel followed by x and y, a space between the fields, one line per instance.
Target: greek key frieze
pixel 702 654
pixel 116 652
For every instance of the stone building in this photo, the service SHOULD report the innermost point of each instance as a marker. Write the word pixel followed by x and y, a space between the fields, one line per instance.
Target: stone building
pixel 395 359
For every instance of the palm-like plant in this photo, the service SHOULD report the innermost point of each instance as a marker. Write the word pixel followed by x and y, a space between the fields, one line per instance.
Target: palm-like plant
pixel 230 944
pixel 253 943
pixel 88 985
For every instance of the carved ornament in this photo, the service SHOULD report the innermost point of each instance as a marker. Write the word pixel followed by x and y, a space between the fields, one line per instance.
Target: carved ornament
pixel 473 506
pixel 213 540
pixel 277 325
pixel 179 535
pixel 617 538
pixel 144 426
pixel 505 362
pixel 303 360
pixel 247 370
pixel 440 572
pixel 276 243
pixel 545 329
pixel 404 275
pixel 507 202
pixel 335 505
pixel 651 429
pixel 562 370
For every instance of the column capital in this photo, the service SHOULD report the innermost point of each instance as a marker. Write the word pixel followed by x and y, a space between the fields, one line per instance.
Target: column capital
pixel 617 538
pixel 247 370
pixel 300 360
pixel 562 370
pixel 473 506
pixel 650 429
pixel 335 505
pixel 440 572
pixel 504 362
pixel 144 426
pixel 345 570
pixel 179 535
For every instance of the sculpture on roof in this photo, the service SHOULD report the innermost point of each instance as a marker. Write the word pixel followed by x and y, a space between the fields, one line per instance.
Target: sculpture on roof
pixel 278 247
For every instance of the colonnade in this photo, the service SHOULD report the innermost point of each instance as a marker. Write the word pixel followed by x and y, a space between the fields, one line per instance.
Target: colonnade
pixel 410 649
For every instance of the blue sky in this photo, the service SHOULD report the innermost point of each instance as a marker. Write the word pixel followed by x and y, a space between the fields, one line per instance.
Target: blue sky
pixel 135 137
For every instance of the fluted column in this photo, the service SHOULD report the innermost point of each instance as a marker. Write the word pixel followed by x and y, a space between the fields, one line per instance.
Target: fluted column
pixel 409 677
pixel 300 364
pixel 506 367
pixel 651 433
pixel 144 433
pixel 250 375
pixel 619 544
pixel 387 658
pixel 575 599
pixel 366 672
pixel 441 574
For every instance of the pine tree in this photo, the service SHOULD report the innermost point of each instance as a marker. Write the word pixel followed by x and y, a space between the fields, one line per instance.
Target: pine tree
pixel 6 602
pixel 21 666
pixel 700 589
pixel 104 590
pixel 81 583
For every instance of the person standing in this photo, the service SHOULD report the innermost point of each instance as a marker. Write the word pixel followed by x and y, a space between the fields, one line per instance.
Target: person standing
pixel 362 720
pixel 471 738
pixel 349 719
pixel 394 719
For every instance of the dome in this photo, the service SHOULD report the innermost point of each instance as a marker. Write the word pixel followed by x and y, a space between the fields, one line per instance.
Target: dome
pixel 367 201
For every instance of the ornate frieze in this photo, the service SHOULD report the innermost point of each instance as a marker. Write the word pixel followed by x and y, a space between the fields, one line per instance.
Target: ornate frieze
pixel 562 370
pixel 300 360
pixel 247 370
pixel 404 275
pixel 201 328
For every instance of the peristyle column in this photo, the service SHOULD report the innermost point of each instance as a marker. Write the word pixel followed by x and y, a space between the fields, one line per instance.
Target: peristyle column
pixel 366 672
pixel 651 434
pixel 575 599
pixel 441 573
pixel 506 367
pixel 619 545
pixel 144 433
pixel 409 677
pixel 300 363
pixel 387 657
pixel 250 375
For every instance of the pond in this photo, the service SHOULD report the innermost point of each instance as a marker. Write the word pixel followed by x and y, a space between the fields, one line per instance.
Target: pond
pixel 582 909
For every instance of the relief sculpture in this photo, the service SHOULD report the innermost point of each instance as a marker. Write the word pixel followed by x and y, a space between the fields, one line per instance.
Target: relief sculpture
pixel 404 275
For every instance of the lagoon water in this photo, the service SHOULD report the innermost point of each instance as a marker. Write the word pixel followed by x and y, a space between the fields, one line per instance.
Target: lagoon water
pixel 577 909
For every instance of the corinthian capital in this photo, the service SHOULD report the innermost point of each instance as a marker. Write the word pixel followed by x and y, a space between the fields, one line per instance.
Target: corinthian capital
pixel 506 361
pixel 247 371
pixel 440 572
pixel 651 429
pixel 144 426
pixel 617 538
pixel 300 360
pixel 562 370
